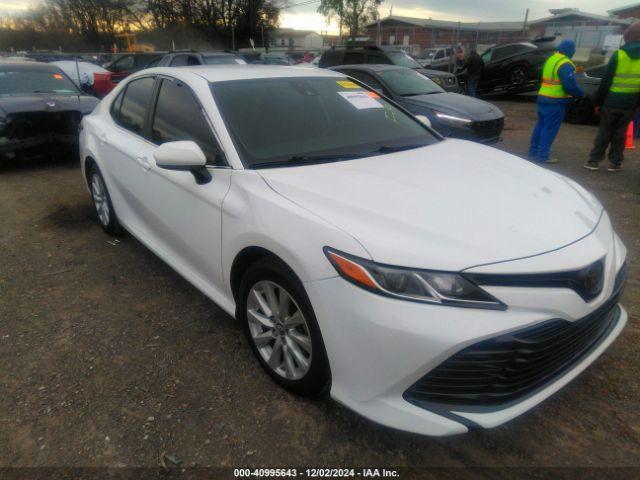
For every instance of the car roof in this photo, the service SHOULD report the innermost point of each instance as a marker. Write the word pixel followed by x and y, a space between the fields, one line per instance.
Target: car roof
pixel 526 44
pixel 376 67
pixel 28 66
pixel 219 73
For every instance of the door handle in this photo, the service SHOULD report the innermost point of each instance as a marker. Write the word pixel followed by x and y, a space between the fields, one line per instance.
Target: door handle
pixel 143 162
pixel 102 137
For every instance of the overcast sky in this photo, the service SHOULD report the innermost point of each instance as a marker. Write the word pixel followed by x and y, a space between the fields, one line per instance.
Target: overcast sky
pixel 464 10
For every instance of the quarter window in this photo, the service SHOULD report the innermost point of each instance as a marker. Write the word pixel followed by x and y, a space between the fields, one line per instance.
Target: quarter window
pixel 179 117
pixel 134 104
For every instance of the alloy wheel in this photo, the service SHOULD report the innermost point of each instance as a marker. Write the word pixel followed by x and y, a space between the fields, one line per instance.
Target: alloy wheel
pixel 518 76
pixel 100 200
pixel 279 330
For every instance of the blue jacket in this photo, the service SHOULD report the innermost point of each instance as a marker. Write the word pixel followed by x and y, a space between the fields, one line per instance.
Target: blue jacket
pixel 567 76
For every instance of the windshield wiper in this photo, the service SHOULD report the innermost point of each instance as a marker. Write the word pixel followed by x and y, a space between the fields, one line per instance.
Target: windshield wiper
pixel 309 159
pixel 398 148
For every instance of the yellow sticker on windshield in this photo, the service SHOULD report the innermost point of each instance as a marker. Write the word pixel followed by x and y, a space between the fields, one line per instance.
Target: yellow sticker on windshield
pixel 347 84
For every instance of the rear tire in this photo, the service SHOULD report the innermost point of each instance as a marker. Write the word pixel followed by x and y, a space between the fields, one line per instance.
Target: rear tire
pixel 518 76
pixel 281 327
pixel 102 202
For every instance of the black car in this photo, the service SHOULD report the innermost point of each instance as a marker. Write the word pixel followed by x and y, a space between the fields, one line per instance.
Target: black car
pixel 128 63
pixel 513 67
pixel 385 56
pixel 583 110
pixel 451 114
pixel 40 110
pixel 191 57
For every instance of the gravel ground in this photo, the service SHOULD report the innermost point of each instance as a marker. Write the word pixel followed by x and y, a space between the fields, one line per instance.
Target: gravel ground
pixel 109 358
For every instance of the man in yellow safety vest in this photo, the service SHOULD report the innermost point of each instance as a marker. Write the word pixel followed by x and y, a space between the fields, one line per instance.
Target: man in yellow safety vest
pixel 558 88
pixel 617 101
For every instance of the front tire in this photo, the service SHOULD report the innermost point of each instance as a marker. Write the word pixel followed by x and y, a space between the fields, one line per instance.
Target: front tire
pixel 281 327
pixel 102 202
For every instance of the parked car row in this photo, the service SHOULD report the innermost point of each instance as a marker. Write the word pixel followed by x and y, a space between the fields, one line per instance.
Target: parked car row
pixel 62 98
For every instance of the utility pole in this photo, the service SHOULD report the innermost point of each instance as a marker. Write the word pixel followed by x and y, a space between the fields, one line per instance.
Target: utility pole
pixel 524 25
pixel 233 38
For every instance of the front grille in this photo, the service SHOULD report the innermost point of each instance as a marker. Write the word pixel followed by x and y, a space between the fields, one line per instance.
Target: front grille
pixel 505 368
pixel 488 129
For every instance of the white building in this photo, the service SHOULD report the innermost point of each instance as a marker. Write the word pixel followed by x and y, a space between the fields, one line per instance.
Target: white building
pixel 290 38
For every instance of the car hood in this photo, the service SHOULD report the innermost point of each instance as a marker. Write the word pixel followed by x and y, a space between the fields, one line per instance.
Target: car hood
pixel 46 102
pixel 457 104
pixel 449 206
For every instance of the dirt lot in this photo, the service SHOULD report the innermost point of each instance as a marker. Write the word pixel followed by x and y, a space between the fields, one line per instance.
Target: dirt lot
pixel 109 358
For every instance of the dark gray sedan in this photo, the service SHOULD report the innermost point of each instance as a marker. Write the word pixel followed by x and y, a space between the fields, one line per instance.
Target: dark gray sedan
pixel 451 114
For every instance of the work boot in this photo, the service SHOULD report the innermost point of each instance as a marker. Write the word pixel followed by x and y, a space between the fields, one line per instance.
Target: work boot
pixel 593 166
pixel 614 168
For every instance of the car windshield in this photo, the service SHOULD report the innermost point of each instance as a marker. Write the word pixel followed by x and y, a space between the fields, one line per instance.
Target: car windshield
pixel 25 81
pixel 223 60
pixel 403 60
pixel 290 121
pixel 407 83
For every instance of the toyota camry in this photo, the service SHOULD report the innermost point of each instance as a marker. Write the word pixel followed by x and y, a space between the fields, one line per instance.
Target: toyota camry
pixel 431 285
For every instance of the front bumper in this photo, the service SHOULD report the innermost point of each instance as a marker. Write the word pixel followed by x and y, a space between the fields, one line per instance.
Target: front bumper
pixel 379 347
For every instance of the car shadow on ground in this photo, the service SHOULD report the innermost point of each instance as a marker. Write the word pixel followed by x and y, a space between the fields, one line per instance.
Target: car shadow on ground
pixel 45 161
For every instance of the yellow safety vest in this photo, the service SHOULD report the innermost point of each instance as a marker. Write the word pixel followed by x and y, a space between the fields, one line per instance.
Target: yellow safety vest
pixel 627 76
pixel 551 84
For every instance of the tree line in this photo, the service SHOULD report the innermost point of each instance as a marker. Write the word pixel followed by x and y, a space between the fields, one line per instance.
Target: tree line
pixel 95 23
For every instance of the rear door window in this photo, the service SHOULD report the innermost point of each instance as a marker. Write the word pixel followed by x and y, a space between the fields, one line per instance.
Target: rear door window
pixel 178 116
pixel 134 104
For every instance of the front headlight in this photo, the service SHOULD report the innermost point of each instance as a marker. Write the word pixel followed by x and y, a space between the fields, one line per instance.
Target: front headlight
pixel 452 119
pixel 438 81
pixel 444 288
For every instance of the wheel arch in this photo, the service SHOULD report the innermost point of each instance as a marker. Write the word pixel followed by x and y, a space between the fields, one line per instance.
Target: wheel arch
pixel 87 164
pixel 247 257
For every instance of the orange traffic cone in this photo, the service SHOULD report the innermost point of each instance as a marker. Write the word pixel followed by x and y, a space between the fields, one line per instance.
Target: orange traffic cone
pixel 629 142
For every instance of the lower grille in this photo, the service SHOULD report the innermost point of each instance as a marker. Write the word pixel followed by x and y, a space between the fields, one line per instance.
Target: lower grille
pixel 507 367
pixel 488 129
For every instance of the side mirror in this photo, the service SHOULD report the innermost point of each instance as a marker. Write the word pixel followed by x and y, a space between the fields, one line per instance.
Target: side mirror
pixel 183 156
pixel 423 119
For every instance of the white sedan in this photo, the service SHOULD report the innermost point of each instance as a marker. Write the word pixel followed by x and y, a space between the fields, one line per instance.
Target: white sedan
pixel 430 285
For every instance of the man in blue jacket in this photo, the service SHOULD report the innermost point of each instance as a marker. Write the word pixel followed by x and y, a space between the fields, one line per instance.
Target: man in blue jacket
pixel 558 88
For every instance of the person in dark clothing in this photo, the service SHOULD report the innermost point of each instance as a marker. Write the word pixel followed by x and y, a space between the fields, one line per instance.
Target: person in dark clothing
pixel 558 88
pixel 617 99
pixel 475 67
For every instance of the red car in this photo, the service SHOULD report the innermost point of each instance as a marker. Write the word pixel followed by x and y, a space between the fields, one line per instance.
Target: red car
pixel 121 67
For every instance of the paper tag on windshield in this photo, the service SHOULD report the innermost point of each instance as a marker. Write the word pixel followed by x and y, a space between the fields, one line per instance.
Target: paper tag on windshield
pixel 360 100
